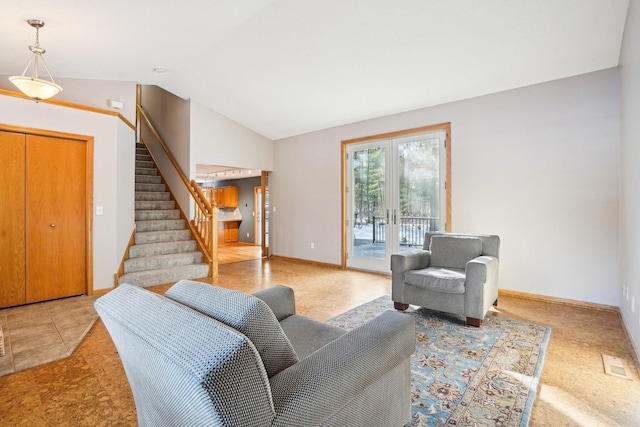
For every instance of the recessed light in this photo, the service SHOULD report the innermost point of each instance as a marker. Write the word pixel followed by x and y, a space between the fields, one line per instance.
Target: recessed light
pixel 160 70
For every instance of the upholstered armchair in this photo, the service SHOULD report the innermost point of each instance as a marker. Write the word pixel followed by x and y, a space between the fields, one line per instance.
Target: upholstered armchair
pixel 207 356
pixel 453 273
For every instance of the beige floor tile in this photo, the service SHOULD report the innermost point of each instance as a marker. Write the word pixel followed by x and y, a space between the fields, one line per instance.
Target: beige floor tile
pixel 39 355
pixel 34 342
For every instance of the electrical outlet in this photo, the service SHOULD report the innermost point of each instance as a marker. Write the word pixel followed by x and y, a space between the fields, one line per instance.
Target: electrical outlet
pixel 247 234
pixel 313 245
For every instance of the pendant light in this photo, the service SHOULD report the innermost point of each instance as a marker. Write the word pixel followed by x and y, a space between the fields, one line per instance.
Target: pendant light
pixel 33 86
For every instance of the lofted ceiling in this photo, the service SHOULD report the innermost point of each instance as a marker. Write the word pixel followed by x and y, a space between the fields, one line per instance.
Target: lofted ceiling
pixel 287 67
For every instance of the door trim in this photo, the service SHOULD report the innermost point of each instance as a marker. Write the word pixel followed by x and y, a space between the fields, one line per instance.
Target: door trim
pixel 446 127
pixel 88 140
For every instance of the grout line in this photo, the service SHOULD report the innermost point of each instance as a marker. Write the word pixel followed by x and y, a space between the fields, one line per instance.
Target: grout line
pixel 57 330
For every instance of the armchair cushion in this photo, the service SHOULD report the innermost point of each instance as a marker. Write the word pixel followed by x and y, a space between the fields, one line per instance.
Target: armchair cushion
pixel 447 280
pixel 454 251
pixel 246 313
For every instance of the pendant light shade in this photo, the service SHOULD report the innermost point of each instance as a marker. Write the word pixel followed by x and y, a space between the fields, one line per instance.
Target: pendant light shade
pixel 32 85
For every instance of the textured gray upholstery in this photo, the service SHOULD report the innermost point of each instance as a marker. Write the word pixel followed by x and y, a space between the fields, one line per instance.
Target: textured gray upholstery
pixel 454 251
pixel 178 362
pixel 243 312
pixel 186 368
pixel 455 273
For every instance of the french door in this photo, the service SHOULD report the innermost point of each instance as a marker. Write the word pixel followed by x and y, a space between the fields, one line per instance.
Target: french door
pixel 396 191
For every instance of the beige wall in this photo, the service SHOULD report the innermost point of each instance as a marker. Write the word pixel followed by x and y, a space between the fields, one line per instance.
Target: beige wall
pixel 630 174
pixel 536 165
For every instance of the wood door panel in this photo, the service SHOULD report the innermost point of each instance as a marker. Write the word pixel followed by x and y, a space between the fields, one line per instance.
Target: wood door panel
pixel 12 230
pixel 55 218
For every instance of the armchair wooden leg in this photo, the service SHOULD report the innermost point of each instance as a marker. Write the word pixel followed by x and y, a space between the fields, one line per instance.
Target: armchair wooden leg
pixel 474 322
pixel 495 303
pixel 400 306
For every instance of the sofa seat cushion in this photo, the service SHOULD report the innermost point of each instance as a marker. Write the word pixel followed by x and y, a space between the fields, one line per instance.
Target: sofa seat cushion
pixel 454 251
pixel 447 280
pixel 243 312
pixel 306 335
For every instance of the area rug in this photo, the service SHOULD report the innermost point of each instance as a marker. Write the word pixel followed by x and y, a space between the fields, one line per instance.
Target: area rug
pixel 467 376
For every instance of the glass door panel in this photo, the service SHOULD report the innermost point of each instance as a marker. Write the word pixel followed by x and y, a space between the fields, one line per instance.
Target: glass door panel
pixel 368 210
pixel 418 190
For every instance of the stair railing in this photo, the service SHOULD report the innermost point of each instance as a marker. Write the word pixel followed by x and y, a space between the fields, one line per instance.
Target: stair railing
pixel 204 225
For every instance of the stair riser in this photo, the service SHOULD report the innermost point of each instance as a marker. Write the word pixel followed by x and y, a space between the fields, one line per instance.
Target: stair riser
pixel 151 215
pixel 139 251
pixel 143 157
pixel 155 204
pixel 166 261
pixel 142 238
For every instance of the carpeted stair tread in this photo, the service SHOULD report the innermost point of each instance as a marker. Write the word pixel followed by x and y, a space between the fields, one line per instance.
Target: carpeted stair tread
pixel 144 164
pixel 142 186
pixel 160 225
pixel 145 215
pixel 152 195
pixel 165 275
pixel 133 265
pixel 142 238
pixel 162 248
pixel 143 205
pixel 148 179
pixel 146 171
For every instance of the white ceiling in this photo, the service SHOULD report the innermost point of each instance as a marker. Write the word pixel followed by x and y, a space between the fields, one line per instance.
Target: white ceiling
pixel 287 67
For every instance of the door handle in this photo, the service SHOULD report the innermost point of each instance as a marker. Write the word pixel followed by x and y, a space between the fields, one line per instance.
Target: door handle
pixel 387 216
pixel 52 225
pixel 395 218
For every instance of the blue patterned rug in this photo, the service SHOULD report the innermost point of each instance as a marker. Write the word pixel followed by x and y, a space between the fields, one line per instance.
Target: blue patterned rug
pixel 467 376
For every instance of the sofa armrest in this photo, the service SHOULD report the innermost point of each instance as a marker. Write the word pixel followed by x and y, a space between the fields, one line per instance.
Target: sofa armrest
pixel 481 285
pixel 335 374
pixel 280 299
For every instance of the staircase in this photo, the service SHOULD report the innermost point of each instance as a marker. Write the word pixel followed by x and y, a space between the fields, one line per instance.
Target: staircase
pixel 163 251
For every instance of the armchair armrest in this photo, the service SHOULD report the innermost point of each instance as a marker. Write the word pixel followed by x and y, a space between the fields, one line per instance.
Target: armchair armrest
pixel 333 375
pixel 401 263
pixel 481 285
pixel 280 300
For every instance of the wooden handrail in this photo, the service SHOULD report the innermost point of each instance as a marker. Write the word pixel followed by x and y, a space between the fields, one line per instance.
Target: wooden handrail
pixel 205 224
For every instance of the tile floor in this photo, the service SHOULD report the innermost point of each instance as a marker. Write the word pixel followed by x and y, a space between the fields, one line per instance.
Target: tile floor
pixel 43 332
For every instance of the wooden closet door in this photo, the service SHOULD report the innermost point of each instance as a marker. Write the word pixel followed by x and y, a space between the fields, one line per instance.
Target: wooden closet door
pixel 12 231
pixel 55 218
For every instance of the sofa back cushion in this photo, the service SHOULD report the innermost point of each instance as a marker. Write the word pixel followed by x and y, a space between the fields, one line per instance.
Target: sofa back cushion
pixel 454 251
pixel 246 313
pixel 185 368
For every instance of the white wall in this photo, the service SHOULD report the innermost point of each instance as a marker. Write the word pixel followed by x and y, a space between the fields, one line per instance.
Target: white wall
pixel 94 93
pixel 218 140
pixel 113 173
pixel 630 173
pixel 536 165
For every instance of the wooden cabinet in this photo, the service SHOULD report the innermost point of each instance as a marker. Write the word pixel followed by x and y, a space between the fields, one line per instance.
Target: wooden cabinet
pixel 231 231
pixel 223 197
pixel 43 226
pixel 228 231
